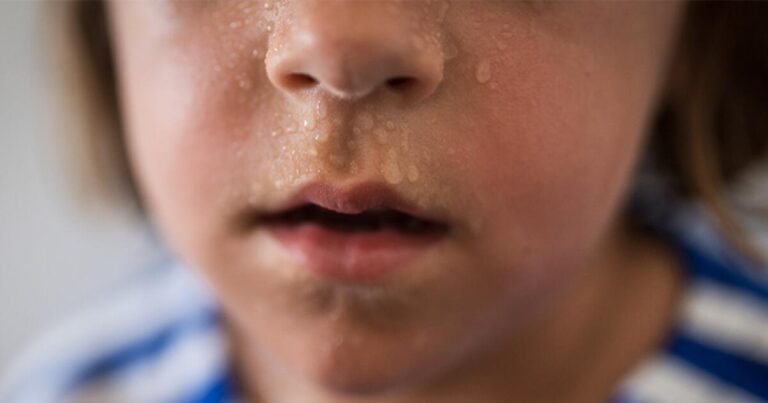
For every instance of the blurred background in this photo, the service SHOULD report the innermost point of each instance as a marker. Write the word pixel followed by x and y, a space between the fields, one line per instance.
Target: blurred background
pixel 54 255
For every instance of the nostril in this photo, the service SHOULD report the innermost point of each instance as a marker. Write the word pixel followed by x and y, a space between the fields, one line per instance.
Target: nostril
pixel 401 83
pixel 298 81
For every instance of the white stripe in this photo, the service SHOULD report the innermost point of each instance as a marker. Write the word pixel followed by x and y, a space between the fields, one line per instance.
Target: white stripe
pixel 140 311
pixel 669 380
pixel 725 317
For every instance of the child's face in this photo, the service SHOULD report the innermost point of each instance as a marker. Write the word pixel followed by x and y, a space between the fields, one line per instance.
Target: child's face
pixel 518 127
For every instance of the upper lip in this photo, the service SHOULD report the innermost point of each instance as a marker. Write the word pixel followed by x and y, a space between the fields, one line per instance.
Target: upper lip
pixel 354 199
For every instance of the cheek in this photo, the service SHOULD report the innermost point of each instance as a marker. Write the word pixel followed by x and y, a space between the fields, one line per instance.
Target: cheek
pixel 558 138
pixel 178 149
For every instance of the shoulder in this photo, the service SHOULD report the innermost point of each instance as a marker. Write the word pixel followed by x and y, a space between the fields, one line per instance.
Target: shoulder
pixel 156 340
pixel 726 293
pixel 718 349
pixel 723 329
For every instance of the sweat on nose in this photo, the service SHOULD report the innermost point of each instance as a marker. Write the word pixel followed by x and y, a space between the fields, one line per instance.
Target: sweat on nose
pixel 350 50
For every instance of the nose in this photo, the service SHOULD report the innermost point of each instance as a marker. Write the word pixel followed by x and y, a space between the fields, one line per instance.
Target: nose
pixel 351 49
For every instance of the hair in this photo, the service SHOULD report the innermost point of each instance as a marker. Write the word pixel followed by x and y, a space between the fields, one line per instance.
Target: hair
pixel 710 124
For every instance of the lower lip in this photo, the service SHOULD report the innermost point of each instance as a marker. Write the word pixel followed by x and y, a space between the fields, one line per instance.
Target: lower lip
pixel 352 256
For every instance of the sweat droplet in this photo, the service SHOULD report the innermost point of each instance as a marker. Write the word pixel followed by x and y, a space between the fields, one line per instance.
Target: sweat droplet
pixel 309 122
pixel 381 135
pixel 413 173
pixel 322 110
pixel 255 53
pixel 365 121
pixel 244 83
pixel 392 172
pixel 450 51
pixel 483 71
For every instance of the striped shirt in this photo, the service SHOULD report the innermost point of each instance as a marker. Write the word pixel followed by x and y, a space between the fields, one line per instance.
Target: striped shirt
pixel 162 340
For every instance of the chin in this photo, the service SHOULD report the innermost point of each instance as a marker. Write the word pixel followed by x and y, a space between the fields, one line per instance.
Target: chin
pixel 365 345
pixel 360 366
pixel 363 339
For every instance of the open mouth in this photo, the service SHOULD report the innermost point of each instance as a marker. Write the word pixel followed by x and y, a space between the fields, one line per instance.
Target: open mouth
pixel 361 233
pixel 368 221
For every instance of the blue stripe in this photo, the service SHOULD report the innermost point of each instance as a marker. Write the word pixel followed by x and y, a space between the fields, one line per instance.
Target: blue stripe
pixel 741 372
pixel 142 350
pixel 620 398
pixel 706 267
pixel 220 389
pixel 659 217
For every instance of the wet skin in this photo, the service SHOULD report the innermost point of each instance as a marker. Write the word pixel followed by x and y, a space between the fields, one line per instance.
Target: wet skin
pixel 517 124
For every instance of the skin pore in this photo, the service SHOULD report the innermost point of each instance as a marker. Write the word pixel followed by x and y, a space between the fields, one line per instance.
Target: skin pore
pixel 517 123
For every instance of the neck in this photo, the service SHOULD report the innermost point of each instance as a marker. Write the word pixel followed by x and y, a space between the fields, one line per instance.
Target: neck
pixel 601 326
